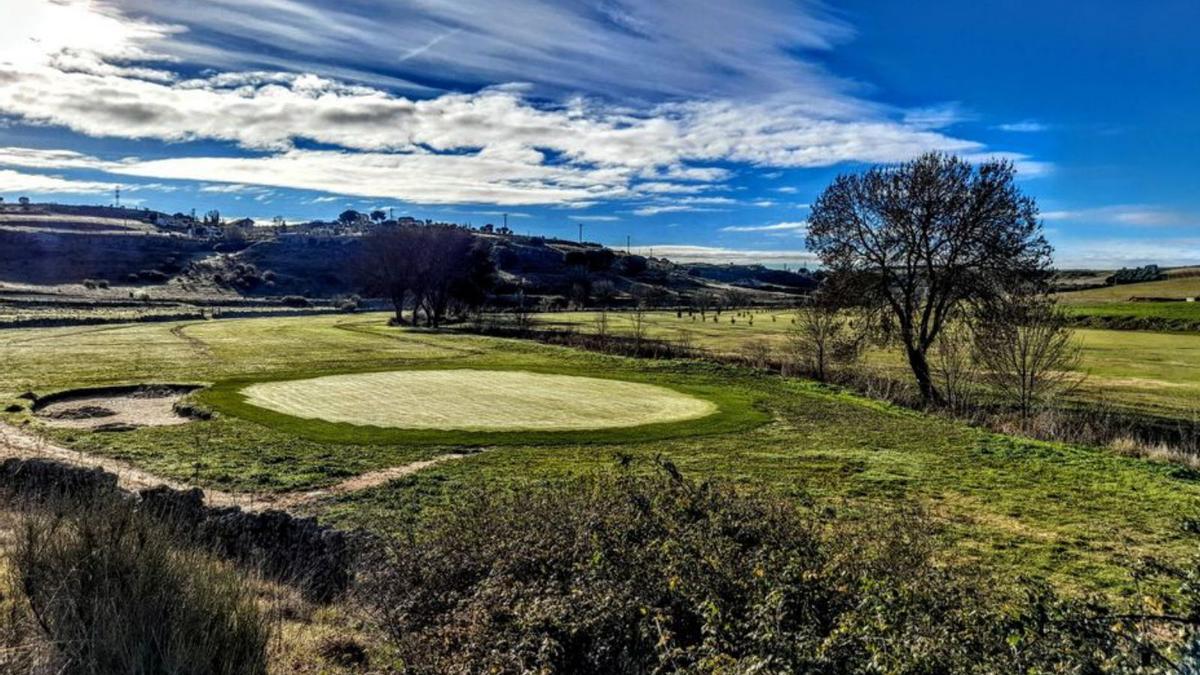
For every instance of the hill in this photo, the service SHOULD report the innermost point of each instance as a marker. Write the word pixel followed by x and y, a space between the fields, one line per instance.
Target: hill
pixel 50 251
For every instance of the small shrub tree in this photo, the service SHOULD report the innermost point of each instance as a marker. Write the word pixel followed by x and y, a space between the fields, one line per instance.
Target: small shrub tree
pixel 824 336
pixel 1027 349
pixel 954 365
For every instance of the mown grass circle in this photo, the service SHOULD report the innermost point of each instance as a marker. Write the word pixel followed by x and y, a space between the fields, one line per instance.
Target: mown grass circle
pixel 486 406
pixel 477 400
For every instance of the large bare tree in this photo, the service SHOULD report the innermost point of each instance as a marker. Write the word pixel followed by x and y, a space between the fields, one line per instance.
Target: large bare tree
pixel 434 266
pixel 928 236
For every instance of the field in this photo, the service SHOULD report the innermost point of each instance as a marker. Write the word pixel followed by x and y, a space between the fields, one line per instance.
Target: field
pixel 1179 286
pixel 1148 372
pixel 1075 516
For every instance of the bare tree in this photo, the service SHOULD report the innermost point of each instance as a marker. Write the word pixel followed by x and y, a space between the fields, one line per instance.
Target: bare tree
pixel 736 298
pixel 1027 349
pixel 390 266
pixel 435 266
pixel 703 301
pixel 637 324
pixel 929 236
pixel 600 326
pixel 824 335
pixel 524 310
pixel 954 365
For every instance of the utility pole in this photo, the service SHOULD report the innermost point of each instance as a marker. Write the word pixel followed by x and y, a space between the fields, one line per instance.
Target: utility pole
pixel 506 221
pixel 581 233
pixel 627 240
pixel 117 191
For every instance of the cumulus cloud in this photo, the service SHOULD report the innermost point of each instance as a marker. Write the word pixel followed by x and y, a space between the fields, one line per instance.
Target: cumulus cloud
pixel 112 74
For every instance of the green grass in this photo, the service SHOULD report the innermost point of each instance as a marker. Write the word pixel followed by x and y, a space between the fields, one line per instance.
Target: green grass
pixel 735 409
pixel 1179 286
pixel 1147 372
pixel 1076 516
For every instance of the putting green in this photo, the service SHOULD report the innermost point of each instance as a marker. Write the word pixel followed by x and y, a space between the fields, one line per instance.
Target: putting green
pixel 477 400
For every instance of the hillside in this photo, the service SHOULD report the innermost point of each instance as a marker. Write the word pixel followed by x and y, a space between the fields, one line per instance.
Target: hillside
pixel 174 256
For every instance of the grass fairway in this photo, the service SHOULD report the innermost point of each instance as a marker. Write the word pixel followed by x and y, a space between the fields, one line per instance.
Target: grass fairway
pixel 1078 517
pixel 1139 371
pixel 477 400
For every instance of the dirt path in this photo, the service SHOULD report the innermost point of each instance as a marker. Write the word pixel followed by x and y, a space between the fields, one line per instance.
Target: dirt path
pixel 23 444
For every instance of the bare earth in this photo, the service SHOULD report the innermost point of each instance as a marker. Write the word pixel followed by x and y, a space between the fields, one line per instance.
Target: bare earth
pixel 23 444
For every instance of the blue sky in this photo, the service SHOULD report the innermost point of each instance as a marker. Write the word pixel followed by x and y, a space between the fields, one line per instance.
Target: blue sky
pixel 700 128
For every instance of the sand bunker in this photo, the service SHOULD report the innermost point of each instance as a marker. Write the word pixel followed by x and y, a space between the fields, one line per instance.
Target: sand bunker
pixel 477 400
pixel 114 409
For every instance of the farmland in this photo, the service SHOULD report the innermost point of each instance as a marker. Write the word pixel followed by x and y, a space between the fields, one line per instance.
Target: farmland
pixel 1072 515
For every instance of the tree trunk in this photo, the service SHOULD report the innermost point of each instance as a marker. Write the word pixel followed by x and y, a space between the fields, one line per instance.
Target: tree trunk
pixel 398 304
pixel 920 368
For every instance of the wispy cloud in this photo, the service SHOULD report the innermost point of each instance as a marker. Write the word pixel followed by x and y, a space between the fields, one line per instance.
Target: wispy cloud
pixel 683 90
pixel 714 254
pixel 775 227
pixel 1024 127
pixel 1142 215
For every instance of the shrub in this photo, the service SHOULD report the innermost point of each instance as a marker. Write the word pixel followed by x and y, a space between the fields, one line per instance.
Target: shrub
pixel 294 301
pixel 661 574
pixel 111 594
pixel 152 276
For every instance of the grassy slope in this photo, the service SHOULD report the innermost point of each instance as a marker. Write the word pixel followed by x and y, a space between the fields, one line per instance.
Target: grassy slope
pixel 1177 286
pixel 1077 516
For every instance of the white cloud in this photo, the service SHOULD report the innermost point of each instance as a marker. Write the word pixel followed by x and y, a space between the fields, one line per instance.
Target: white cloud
pixel 1025 127
pixel 34 158
pixel 775 227
pixel 1142 215
pixel 1114 253
pixel 598 219
pixel 712 254
pixel 16 182
pixel 495 145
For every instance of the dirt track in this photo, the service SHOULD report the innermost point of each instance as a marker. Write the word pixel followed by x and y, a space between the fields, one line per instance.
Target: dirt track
pixel 15 442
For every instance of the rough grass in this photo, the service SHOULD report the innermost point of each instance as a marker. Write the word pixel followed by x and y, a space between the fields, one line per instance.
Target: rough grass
pixel 477 400
pixel 1137 371
pixel 1079 517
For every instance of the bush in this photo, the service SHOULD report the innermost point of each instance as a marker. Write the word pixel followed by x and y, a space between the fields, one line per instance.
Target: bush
pixel 152 276
pixel 294 301
pixel 660 574
pixel 109 593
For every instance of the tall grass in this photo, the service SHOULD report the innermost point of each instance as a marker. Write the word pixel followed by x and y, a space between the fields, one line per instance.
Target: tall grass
pixel 106 591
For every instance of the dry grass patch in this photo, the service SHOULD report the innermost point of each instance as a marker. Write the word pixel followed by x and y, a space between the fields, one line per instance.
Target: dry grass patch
pixel 477 400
